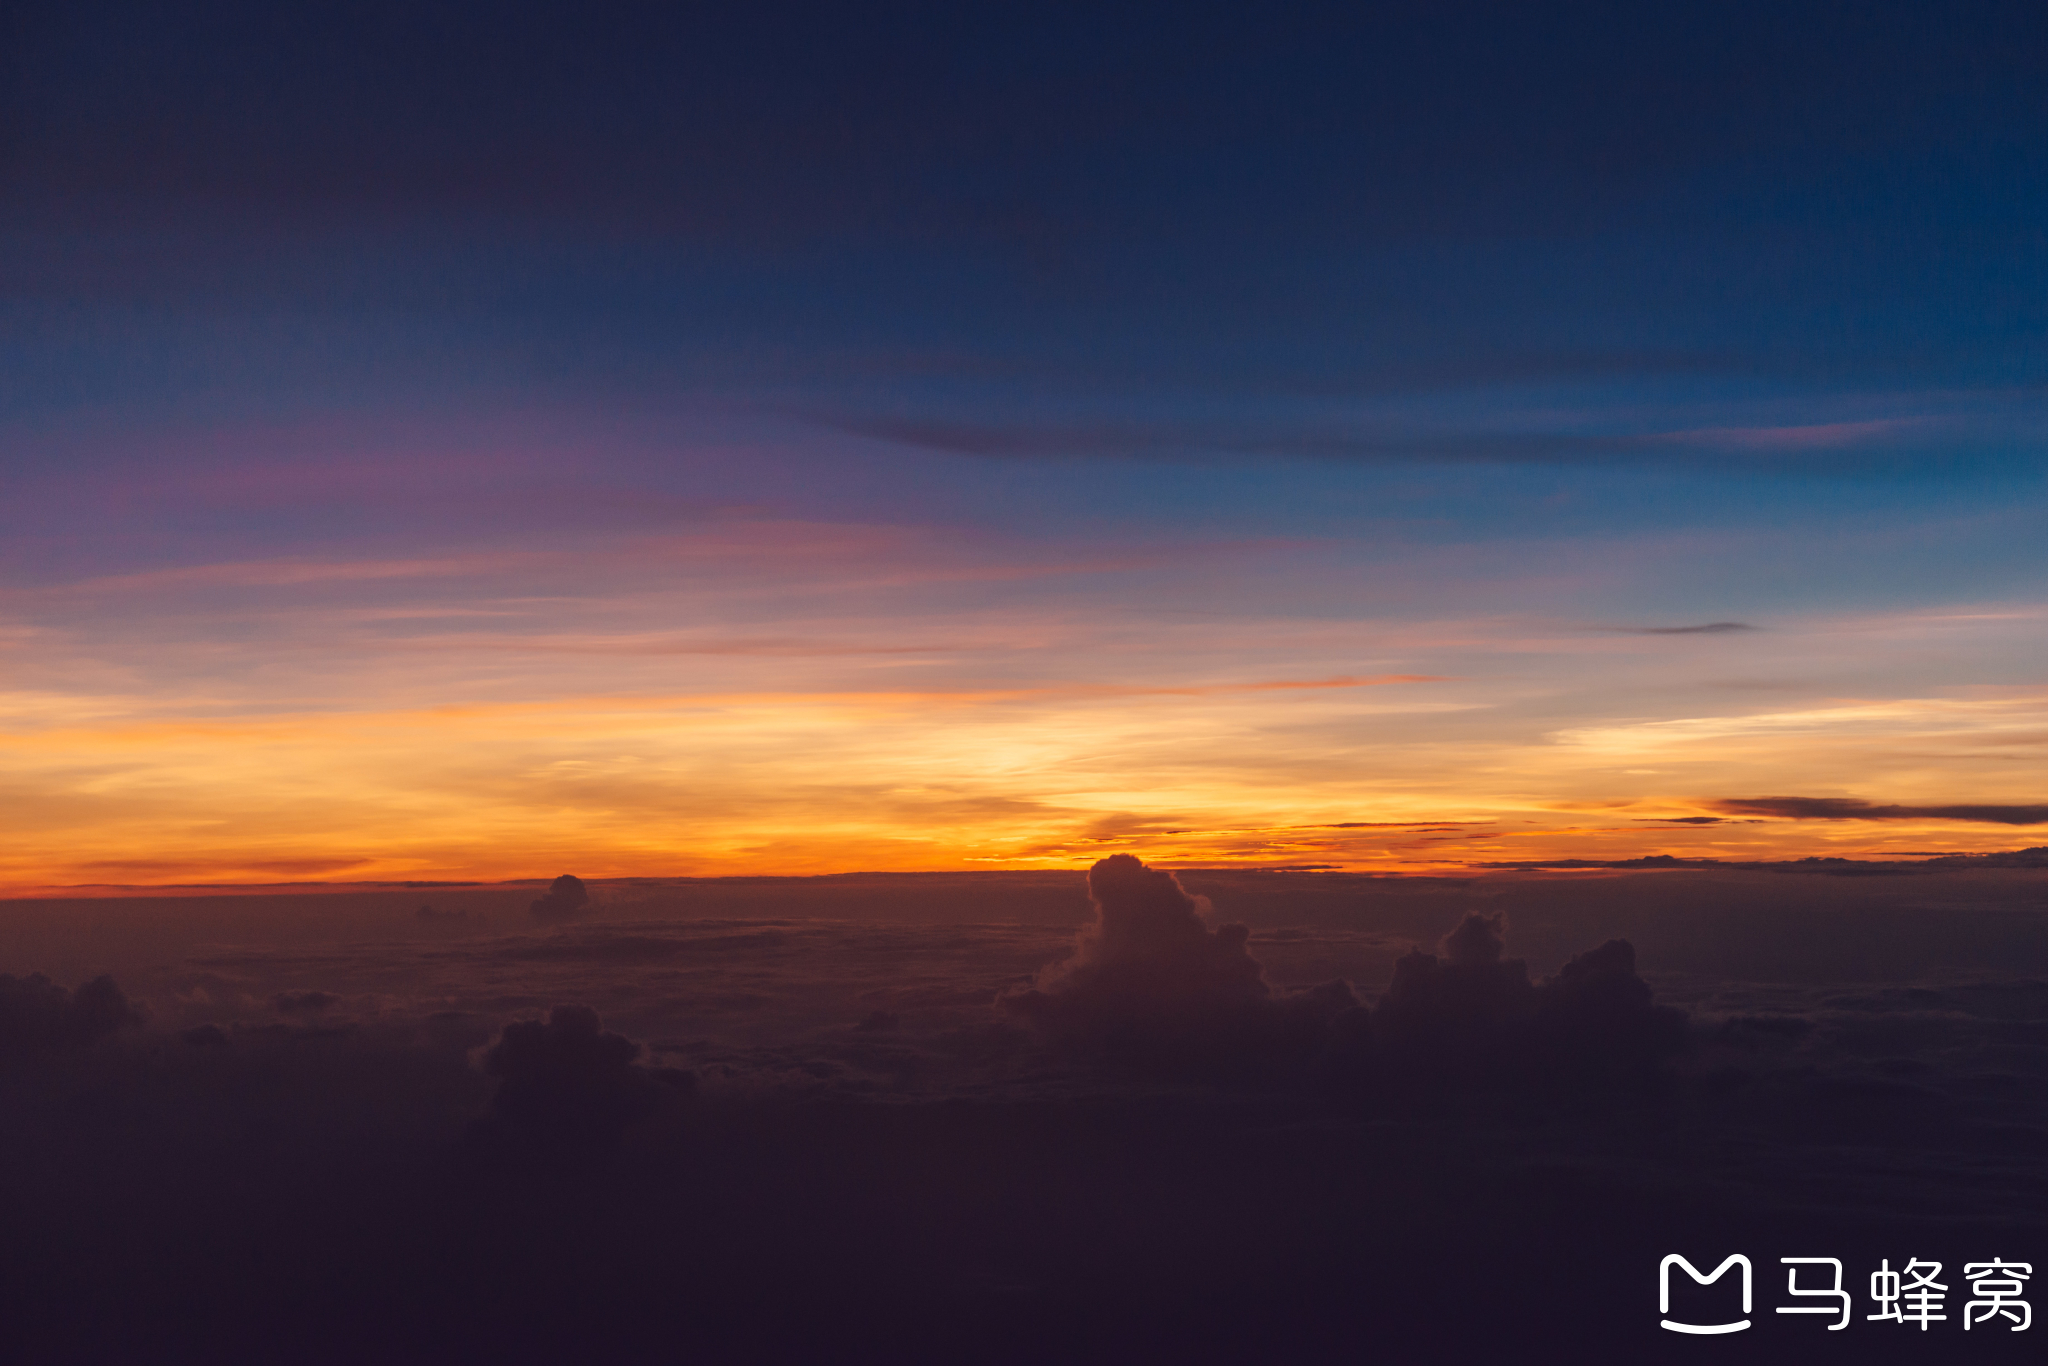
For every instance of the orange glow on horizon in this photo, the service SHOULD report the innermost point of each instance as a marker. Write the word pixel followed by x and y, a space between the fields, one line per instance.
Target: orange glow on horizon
pixel 797 783
pixel 784 698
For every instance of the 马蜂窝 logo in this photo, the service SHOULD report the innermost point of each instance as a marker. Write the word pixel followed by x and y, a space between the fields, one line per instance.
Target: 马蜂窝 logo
pixel 1910 1295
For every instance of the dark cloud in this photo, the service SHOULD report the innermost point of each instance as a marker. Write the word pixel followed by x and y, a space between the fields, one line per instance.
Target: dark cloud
pixel 1149 980
pixel 36 1013
pixel 1141 437
pixel 1712 628
pixel 1854 809
pixel 1466 1016
pixel 1172 441
pixel 569 1085
pixel 567 896
pixel 1830 866
pixel 303 1002
pixel 1836 867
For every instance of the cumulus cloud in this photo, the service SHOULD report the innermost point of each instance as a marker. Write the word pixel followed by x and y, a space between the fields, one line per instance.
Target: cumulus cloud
pixel 1150 982
pixel 566 897
pixel 1148 978
pixel 1468 1015
pixel 1460 1013
pixel 570 1085
pixel 37 1013
pixel 1853 809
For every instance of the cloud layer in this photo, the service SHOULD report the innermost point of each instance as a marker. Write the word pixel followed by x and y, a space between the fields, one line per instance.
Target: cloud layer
pixel 1154 1150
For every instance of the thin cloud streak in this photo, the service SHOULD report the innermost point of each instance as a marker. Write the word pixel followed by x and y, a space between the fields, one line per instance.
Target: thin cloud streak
pixel 1855 809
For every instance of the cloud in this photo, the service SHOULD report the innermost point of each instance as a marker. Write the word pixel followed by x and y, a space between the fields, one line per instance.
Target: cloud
pixel 302 1002
pixel 1149 980
pixel 569 1085
pixel 566 897
pixel 1907 863
pixel 1466 1016
pixel 345 1149
pixel 36 1013
pixel 1143 438
pixel 1150 983
pixel 286 573
pixel 1804 437
pixel 1712 628
pixel 1171 441
pixel 1855 809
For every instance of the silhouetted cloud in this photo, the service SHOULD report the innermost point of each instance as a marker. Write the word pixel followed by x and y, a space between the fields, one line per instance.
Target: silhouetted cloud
pixel 1149 981
pixel 302 1002
pixel 1467 1016
pixel 1854 809
pixel 566 897
pixel 37 1013
pixel 1600 1022
pixel 1148 978
pixel 1712 628
pixel 570 1085
pixel 1459 1017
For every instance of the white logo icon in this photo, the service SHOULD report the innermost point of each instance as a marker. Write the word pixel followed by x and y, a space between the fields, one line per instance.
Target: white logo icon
pixel 1737 1259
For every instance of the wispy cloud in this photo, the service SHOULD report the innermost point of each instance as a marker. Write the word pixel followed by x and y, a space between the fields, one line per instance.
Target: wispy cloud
pixel 1803 437
pixel 1854 809
pixel 1372 438
pixel 290 573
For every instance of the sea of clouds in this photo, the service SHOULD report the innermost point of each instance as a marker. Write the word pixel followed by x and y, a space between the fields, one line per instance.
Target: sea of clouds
pixel 906 1107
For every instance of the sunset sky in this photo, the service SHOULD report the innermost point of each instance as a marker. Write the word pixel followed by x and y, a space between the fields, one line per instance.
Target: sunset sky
pixel 898 437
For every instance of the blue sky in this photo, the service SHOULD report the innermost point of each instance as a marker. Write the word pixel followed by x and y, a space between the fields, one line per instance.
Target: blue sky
pixel 1438 323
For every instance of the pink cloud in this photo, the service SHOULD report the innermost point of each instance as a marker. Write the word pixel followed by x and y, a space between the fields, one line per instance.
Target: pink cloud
pixel 1812 436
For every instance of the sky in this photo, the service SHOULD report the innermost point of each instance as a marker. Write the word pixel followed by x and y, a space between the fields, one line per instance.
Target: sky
pixel 447 441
